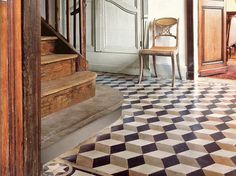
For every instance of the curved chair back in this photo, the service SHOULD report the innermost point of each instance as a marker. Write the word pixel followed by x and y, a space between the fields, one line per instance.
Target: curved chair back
pixel 162 28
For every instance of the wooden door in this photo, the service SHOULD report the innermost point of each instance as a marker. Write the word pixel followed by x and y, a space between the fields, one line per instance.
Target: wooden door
pixel 212 37
pixel 114 42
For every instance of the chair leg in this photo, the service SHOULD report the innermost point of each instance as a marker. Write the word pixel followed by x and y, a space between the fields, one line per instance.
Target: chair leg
pixel 141 65
pixel 180 77
pixel 173 70
pixel 154 64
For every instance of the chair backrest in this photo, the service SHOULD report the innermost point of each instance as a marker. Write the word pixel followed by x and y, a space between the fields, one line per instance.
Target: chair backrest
pixel 162 28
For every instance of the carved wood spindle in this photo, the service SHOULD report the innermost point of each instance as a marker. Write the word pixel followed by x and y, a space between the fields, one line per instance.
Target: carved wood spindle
pixel 68 20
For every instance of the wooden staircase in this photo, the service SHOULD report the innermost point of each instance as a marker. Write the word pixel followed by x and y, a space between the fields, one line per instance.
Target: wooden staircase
pixel 62 86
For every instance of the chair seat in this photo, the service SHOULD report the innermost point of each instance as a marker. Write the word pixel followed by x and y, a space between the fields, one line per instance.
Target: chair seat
pixel 165 51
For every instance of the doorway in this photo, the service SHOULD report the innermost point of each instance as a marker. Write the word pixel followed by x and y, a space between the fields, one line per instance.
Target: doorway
pixel 216 36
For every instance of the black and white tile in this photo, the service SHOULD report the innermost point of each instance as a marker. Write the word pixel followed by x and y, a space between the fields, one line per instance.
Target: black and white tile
pixel 186 130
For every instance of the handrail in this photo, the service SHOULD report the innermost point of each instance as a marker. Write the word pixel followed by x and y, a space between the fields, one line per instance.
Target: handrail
pixel 76 37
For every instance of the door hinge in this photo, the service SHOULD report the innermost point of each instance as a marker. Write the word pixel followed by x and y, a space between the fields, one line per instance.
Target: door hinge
pixel 141 44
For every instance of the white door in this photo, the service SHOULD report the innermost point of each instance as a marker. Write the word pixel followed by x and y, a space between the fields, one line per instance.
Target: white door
pixel 114 35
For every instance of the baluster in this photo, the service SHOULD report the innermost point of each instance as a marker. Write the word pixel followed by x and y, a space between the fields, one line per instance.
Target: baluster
pixel 68 20
pixel 82 12
pixel 47 10
pixel 74 33
pixel 57 14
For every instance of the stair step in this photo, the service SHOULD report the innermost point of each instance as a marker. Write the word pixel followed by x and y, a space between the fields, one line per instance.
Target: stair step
pixel 48 59
pixel 48 45
pixel 66 91
pixel 45 38
pixel 57 65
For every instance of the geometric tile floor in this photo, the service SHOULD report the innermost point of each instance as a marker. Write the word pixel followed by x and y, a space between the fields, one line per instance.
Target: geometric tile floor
pixel 188 130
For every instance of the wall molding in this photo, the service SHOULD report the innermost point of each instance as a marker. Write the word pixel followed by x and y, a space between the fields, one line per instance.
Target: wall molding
pixel 101 26
pixel 124 6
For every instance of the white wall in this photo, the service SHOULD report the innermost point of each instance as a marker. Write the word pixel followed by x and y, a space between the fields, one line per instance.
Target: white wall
pixel 231 5
pixel 176 9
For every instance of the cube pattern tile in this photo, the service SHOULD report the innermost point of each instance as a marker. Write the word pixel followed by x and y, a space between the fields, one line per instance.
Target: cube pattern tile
pixel 188 130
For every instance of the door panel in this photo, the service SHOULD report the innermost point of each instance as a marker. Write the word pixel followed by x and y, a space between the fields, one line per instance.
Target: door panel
pixel 120 30
pixel 120 24
pixel 117 36
pixel 212 35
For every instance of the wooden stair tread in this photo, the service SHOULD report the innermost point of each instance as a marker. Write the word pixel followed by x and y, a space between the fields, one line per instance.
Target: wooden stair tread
pixel 47 59
pixel 54 86
pixel 44 38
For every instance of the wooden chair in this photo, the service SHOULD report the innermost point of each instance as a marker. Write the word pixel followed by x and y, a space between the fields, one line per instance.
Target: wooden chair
pixel 162 29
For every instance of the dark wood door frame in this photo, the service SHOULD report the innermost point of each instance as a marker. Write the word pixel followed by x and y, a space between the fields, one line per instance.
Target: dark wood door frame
pixel 190 38
pixel 20 88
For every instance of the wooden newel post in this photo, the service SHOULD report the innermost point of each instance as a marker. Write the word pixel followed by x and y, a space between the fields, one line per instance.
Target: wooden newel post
pixel 20 88
pixel 11 111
